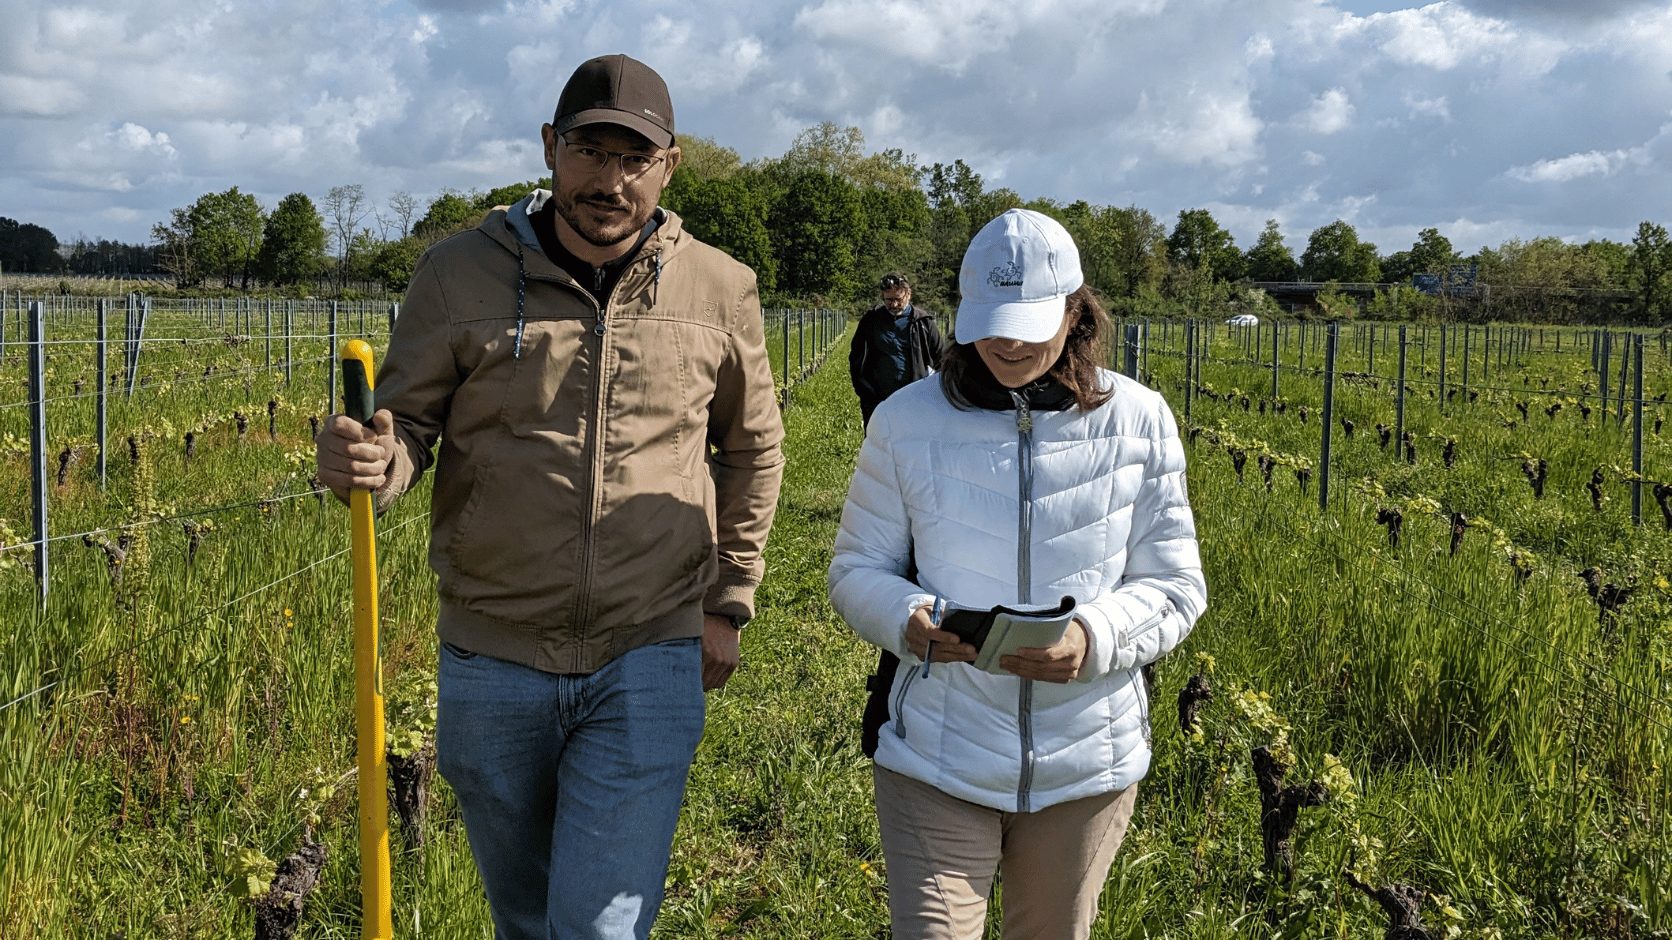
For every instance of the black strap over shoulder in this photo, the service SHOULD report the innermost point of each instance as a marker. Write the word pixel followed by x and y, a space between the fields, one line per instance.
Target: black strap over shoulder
pixel 876 702
pixel 878 684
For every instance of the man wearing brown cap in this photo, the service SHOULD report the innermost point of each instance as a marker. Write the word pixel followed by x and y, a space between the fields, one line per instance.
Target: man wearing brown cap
pixel 607 472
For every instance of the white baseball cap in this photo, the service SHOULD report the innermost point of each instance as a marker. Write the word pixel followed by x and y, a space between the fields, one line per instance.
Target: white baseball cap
pixel 1016 276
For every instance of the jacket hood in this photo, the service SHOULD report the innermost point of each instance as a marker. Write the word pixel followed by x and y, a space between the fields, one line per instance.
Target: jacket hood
pixel 511 228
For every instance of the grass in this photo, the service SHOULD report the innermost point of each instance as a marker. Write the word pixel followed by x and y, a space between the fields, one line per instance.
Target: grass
pixel 1509 746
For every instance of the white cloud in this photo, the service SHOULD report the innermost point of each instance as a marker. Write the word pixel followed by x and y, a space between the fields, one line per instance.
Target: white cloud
pixel 40 97
pixel 131 136
pixel 1330 113
pixel 1414 113
pixel 1429 107
pixel 1572 167
pixel 1443 36
pixel 1198 127
pixel 948 32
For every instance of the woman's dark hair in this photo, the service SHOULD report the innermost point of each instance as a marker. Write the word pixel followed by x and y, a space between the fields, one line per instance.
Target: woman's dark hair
pixel 1083 353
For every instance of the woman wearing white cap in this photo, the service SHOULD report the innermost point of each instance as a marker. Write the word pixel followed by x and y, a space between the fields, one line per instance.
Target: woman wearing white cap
pixel 1021 474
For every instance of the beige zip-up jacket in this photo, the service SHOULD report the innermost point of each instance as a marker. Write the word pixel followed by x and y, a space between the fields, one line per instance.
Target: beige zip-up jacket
pixel 604 476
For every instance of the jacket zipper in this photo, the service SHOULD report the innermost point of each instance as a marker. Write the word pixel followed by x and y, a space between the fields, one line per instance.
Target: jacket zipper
pixel 595 453
pixel 899 713
pixel 1143 703
pixel 1024 584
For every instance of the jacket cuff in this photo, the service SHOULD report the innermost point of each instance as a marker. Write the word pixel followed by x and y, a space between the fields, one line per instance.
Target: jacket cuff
pixel 398 477
pixel 913 602
pixel 1100 635
pixel 731 598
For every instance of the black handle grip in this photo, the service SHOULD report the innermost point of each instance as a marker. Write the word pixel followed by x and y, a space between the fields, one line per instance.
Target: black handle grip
pixel 357 392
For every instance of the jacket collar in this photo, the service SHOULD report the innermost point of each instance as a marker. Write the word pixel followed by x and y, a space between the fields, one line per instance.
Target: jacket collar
pixel 983 391
pixel 512 229
pixel 913 311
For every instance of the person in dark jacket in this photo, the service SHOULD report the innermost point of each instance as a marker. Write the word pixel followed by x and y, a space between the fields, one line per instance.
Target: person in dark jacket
pixel 896 344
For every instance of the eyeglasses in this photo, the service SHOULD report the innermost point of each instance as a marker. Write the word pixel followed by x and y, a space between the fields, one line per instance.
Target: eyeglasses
pixel 892 281
pixel 594 159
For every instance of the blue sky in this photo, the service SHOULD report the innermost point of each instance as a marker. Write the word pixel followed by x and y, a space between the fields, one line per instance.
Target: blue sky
pixel 1488 119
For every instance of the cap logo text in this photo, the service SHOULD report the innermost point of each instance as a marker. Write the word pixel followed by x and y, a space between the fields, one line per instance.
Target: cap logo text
pixel 1009 275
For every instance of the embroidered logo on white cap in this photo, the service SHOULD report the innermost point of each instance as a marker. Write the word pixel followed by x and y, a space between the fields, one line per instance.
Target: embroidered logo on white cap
pixel 1016 274
pixel 1008 276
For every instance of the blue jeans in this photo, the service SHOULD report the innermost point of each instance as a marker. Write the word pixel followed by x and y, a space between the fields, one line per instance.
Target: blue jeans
pixel 570 785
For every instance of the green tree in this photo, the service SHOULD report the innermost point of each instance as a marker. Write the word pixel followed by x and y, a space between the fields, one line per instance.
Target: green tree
pixel 483 203
pixel 392 263
pixel 706 159
pixel 1123 252
pixel 1542 279
pixel 176 251
pixel 226 235
pixel 292 242
pixel 813 230
pixel 896 238
pixel 1431 253
pixel 826 147
pixel 1334 253
pixel 1611 260
pixel 1269 259
pixel 25 246
pixel 448 213
pixel 888 169
pixel 1651 270
pixel 957 208
pixel 1140 250
pixel 726 213
pixel 1200 244
pixel 343 209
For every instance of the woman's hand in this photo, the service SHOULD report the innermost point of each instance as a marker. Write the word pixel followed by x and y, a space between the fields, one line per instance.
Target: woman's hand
pixel 1060 662
pixel 948 648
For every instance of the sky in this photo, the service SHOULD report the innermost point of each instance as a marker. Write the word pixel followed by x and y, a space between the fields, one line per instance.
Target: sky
pixel 1485 119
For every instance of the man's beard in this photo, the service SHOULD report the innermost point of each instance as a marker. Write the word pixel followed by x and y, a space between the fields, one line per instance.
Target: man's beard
pixel 603 236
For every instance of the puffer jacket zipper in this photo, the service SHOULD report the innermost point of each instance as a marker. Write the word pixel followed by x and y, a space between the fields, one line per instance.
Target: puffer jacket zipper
pixel 1024 584
pixel 899 712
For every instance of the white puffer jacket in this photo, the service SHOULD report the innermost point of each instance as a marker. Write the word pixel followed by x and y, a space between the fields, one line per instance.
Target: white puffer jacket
pixel 1110 523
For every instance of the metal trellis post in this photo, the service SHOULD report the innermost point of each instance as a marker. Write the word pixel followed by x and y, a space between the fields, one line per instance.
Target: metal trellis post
pixel 1331 343
pixel 37 439
pixel 103 363
pixel 1399 408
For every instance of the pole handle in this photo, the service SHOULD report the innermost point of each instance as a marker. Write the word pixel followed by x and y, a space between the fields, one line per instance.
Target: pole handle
pixel 358 402
pixel 375 876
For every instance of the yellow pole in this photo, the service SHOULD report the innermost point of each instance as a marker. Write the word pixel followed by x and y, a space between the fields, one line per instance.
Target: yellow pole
pixel 376 920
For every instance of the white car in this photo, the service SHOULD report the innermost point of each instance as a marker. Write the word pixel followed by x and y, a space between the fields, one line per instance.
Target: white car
pixel 1243 319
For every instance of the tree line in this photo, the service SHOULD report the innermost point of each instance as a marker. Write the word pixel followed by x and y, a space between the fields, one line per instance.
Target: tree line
pixel 823 222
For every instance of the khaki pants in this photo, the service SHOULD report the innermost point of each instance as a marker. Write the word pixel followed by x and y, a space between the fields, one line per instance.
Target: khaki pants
pixel 942 853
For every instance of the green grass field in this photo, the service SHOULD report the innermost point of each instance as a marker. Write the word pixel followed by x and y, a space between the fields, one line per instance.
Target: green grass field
pixel 1483 732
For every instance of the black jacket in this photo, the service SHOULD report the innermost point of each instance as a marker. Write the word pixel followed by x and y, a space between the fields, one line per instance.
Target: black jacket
pixel 923 354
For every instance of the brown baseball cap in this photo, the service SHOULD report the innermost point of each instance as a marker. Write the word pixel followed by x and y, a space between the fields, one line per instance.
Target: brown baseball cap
pixel 615 89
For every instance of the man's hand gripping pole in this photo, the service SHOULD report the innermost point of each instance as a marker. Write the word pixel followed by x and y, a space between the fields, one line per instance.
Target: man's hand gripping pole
pixel 376 921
